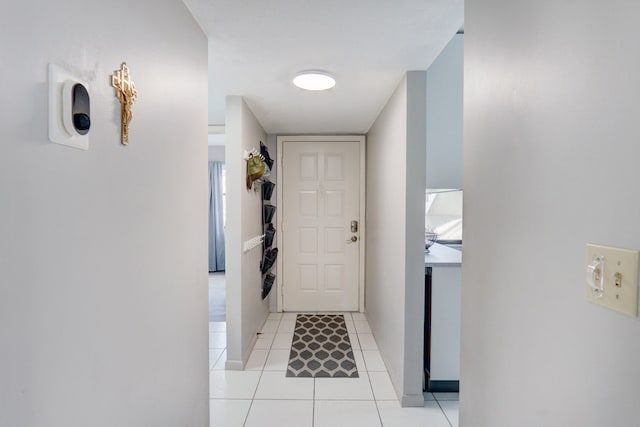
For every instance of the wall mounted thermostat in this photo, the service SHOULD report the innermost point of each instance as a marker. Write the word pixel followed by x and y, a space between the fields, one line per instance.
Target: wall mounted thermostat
pixel 69 109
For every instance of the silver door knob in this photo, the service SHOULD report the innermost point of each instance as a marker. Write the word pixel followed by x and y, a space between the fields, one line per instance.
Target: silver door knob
pixel 352 239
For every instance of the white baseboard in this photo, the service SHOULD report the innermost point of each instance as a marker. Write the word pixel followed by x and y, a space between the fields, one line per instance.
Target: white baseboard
pixel 412 400
pixel 234 365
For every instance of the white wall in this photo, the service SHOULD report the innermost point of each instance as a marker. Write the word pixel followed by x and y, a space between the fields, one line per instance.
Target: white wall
pixel 103 253
pixel 444 116
pixel 551 163
pixel 246 311
pixel 395 244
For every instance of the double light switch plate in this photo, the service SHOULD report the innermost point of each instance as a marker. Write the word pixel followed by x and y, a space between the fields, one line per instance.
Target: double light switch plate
pixel 612 278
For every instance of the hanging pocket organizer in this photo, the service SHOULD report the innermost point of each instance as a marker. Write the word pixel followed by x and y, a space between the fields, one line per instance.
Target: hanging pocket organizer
pixel 268 211
pixel 269 235
pixel 267 284
pixel 269 254
pixel 269 259
pixel 267 190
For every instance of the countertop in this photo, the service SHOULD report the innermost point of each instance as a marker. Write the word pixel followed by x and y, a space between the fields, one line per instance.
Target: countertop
pixel 442 256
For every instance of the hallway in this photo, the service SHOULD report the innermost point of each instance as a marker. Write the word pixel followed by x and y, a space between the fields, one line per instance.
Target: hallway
pixel 261 395
pixel 217 297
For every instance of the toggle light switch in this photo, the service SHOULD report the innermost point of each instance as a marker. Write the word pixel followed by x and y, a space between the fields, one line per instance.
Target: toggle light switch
pixel 612 278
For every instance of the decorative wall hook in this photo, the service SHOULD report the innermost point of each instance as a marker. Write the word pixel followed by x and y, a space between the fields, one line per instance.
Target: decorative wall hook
pixel 127 94
pixel 255 168
pixel 252 153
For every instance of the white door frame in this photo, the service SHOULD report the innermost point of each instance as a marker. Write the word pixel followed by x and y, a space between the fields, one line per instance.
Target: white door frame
pixel 362 226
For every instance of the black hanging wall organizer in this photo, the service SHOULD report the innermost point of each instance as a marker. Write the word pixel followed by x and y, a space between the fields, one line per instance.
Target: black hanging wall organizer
pixel 269 253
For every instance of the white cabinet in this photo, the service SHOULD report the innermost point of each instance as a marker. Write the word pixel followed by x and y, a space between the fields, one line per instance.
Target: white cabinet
pixel 446 287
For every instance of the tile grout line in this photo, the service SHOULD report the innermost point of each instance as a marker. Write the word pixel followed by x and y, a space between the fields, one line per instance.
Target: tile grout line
pixel 443 412
pixel 313 404
pixel 217 359
pixel 253 398
pixel 375 401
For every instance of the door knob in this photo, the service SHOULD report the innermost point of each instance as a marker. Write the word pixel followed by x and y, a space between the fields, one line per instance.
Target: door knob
pixel 352 239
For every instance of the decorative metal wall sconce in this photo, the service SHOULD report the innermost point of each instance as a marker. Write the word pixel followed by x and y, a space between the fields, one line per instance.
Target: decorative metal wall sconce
pixel 255 167
pixel 127 94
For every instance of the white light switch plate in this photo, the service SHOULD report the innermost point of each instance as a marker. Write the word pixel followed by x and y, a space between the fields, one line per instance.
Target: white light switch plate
pixel 618 265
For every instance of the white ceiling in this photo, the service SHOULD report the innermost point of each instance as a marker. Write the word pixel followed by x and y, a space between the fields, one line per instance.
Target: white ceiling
pixel 257 46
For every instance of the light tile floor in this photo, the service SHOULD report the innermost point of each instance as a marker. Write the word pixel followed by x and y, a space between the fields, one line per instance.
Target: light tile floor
pixel 262 395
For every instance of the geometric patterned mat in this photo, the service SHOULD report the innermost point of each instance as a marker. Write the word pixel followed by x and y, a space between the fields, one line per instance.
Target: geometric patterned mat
pixel 321 348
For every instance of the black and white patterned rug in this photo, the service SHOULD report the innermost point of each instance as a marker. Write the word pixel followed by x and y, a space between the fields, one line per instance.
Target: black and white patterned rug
pixel 321 348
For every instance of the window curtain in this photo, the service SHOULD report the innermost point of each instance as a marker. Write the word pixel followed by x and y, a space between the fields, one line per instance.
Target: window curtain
pixel 216 222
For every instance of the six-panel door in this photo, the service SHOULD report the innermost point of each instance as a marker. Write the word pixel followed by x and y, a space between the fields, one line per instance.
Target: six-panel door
pixel 321 191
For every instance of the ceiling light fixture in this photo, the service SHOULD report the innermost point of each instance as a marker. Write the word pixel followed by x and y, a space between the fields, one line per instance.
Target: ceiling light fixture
pixel 314 80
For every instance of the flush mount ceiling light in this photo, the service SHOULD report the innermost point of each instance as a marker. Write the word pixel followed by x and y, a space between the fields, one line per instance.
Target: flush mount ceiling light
pixel 314 80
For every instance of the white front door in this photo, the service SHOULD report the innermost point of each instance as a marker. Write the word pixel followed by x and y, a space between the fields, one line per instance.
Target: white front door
pixel 321 223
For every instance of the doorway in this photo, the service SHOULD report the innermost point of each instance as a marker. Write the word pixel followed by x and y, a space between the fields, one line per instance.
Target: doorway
pixel 322 223
pixel 217 302
pixel 216 228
